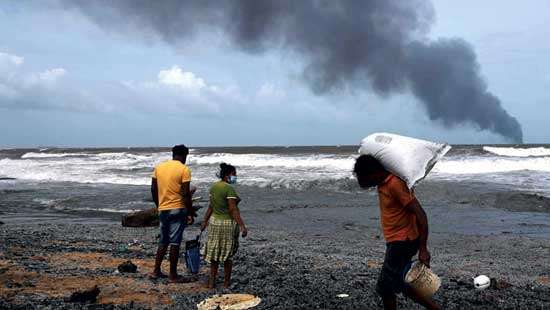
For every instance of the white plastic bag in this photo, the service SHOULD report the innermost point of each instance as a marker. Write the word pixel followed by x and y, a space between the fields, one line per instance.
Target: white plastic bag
pixel 408 158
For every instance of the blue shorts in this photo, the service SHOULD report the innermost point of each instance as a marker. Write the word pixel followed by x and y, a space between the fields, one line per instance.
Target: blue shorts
pixel 172 224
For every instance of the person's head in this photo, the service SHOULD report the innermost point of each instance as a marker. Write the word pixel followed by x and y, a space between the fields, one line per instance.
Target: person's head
pixel 228 173
pixel 369 171
pixel 179 152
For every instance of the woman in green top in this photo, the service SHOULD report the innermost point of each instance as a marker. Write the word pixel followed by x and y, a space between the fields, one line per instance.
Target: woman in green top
pixel 224 222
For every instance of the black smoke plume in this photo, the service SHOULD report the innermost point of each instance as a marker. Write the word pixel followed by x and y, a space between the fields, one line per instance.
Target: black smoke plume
pixel 376 45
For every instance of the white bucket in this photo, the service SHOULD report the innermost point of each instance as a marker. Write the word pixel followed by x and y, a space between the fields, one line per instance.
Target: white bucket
pixel 423 280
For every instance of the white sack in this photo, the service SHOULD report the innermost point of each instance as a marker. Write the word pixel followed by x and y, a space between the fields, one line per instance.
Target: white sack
pixel 408 158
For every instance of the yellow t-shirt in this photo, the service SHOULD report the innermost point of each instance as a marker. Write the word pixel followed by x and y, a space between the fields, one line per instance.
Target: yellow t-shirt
pixel 170 175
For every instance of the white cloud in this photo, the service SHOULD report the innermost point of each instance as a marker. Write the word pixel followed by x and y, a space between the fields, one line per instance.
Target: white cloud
pixel 270 91
pixel 177 90
pixel 52 74
pixel 27 90
pixel 7 92
pixel 171 90
pixel 11 59
pixel 175 76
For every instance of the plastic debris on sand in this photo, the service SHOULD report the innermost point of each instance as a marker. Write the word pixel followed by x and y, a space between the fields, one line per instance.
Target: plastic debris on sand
pixel 229 302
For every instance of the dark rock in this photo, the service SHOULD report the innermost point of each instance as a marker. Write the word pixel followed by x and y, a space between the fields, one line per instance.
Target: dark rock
pixel 85 296
pixel 127 267
pixel 1 223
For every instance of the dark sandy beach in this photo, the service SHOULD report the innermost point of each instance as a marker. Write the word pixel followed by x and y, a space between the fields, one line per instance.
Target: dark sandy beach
pixel 304 248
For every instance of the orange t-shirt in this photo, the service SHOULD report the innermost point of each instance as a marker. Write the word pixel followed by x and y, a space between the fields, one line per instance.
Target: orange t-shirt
pixel 398 222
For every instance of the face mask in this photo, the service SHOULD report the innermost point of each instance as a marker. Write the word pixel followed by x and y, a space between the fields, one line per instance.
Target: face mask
pixel 232 179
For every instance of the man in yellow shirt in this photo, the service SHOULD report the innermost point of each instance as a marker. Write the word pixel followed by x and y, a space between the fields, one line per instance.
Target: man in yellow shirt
pixel 171 192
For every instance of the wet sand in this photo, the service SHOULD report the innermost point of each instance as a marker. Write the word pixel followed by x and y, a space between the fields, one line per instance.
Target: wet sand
pixel 303 249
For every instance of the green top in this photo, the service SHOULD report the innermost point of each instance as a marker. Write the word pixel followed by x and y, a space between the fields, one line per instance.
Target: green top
pixel 219 193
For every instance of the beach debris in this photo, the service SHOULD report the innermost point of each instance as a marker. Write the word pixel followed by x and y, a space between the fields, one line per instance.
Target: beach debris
pixel 229 302
pixel 127 267
pixel 342 295
pixel 482 282
pixel 134 242
pixel 461 282
pixel 89 295
pixel 499 284
pixel 123 248
pixel 544 280
pixel 144 218
pixel 373 264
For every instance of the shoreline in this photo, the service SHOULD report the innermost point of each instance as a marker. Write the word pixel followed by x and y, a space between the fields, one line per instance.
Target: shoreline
pixel 300 263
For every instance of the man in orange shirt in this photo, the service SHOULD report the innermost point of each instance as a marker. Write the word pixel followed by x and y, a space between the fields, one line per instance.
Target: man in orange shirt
pixel 405 228
pixel 170 188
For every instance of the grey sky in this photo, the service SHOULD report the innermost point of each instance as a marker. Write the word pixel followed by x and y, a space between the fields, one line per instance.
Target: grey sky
pixel 65 81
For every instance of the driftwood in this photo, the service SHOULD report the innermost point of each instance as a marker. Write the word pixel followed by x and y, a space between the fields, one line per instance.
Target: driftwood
pixel 145 218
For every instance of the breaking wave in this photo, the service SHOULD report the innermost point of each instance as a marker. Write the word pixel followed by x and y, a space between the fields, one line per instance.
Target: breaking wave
pixel 52 155
pixel 300 171
pixel 484 165
pixel 518 152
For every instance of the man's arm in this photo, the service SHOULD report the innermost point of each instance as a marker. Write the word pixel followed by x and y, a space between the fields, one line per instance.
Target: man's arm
pixel 155 191
pixel 422 221
pixel 187 201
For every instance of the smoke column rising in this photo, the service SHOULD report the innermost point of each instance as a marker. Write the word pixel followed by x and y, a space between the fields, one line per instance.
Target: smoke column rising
pixel 375 45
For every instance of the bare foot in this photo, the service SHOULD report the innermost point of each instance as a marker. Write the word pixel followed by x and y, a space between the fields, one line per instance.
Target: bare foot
pixel 157 275
pixel 181 279
pixel 210 284
pixel 176 279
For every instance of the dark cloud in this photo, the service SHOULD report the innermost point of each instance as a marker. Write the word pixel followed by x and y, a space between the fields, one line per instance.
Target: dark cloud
pixel 378 45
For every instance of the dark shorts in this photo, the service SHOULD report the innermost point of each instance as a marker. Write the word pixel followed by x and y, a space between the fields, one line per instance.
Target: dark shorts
pixel 397 260
pixel 172 224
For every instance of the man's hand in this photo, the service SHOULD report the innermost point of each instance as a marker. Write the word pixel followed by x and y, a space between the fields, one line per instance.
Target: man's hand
pixel 424 257
pixel 190 220
pixel 244 231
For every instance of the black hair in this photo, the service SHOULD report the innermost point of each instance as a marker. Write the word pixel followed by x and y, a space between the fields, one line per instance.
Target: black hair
pixel 180 150
pixel 367 164
pixel 225 170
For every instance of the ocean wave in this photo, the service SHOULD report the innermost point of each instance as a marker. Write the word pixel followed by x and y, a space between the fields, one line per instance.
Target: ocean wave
pixel 482 165
pixel 518 152
pixel 107 210
pixel 296 171
pixel 30 155
pixel 263 160
pixel 67 204
pixel 93 156
pixel 63 171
